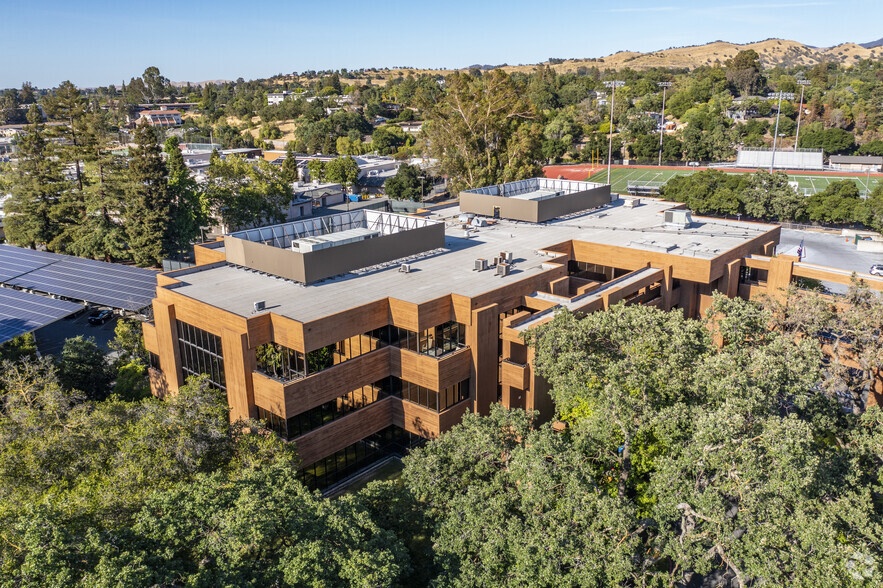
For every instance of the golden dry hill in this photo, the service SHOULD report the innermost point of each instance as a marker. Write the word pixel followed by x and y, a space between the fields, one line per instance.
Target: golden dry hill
pixel 771 51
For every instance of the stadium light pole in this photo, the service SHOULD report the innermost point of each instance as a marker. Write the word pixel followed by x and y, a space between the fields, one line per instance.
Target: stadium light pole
pixel 803 85
pixel 778 95
pixel 664 86
pixel 613 85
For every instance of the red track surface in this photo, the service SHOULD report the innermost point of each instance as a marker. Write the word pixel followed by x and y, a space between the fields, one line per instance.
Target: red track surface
pixel 581 172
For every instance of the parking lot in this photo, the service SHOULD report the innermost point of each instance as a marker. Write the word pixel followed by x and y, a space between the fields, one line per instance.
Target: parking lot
pixel 828 249
pixel 50 339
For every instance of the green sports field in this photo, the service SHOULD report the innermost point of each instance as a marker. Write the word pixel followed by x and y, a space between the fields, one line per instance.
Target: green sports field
pixel 807 183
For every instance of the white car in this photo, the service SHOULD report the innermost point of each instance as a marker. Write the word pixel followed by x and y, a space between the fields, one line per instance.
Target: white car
pixel 876 269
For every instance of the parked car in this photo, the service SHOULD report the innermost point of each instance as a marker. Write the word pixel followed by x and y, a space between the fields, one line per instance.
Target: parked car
pixel 100 317
pixel 876 269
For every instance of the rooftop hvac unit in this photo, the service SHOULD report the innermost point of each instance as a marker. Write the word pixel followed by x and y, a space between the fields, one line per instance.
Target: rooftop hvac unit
pixel 503 269
pixel 260 305
pixel 632 202
pixel 506 256
pixel 480 264
pixel 405 268
pixel 678 218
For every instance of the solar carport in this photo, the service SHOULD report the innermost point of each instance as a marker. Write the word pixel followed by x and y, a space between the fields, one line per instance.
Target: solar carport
pixel 22 313
pixel 121 287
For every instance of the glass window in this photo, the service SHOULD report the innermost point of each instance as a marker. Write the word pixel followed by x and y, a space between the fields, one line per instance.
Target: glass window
pixel 349 460
pixel 328 412
pixel 201 353
pixel 284 364
pixel 434 342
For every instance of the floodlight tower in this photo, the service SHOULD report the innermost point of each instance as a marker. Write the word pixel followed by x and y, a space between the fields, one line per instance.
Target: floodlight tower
pixel 613 85
pixel 803 85
pixel 773 96
pixel 664 86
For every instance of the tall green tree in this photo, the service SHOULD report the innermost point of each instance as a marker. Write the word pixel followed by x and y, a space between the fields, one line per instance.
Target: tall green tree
pixel 405 185
pixel 482 131
pixel 148 211
pixel 27 94
pixel 156 85
pixel 187 211
pixel 100 232
pixel 37 187
pixel 344 171
pixel 743 72
pixel 69 105
pixel 246 193
pixel 289 166
pixel 316 167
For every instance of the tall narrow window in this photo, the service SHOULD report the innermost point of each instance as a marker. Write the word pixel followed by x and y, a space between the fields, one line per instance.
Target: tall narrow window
pixel 201 353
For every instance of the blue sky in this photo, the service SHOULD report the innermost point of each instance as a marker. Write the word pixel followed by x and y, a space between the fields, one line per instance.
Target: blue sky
pixel 95 42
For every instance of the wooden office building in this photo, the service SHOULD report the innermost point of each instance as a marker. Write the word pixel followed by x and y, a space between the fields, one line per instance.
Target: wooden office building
pixel 363 331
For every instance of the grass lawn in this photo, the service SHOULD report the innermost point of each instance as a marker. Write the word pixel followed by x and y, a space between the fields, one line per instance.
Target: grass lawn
pixel 807 183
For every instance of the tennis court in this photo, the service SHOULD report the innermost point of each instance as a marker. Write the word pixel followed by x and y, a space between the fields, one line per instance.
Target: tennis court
pixel 807 184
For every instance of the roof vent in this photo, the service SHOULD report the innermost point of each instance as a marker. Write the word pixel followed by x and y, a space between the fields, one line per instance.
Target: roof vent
pixel 260 305
pixel 405 268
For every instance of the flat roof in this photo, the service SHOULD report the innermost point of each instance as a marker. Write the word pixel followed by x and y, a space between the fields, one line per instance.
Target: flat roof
pixel 535 188
pixel 449 270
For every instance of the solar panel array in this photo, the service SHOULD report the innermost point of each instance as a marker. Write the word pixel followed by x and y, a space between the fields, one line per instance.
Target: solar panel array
pixel 22 313
pixel 96 282
pixel 15 261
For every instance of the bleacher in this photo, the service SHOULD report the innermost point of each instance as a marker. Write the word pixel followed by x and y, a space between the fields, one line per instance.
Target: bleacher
pixel 644 188
pixel 802 159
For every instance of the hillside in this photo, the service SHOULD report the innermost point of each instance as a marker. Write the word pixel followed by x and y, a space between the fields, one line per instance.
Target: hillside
pixel 771 51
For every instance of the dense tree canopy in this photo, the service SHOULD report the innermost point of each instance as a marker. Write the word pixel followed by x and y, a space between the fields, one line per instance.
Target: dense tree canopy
pixel 482 131
pixel 406 184
pixel 243 193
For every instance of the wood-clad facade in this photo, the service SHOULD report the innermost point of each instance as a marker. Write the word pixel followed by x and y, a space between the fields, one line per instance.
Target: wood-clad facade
pixel 483 360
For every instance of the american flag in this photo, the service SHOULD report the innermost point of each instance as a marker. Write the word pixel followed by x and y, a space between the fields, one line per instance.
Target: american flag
pixel 800 251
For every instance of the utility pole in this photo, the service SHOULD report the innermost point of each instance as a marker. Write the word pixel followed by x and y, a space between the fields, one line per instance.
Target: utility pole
pixel 664 86
pixel 778 95
pixel 613 85
pixel 803 85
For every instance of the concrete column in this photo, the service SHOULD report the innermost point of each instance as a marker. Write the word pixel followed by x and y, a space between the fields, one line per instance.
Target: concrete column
pixel 238 367
pixel 729 283
pixel 482 337
pixel 667 285
pixel 168 349
pixel 537 396
pixel 688 301
pixel 779 276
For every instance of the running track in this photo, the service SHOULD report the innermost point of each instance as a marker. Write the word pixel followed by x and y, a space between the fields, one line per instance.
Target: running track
pixel 581 172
